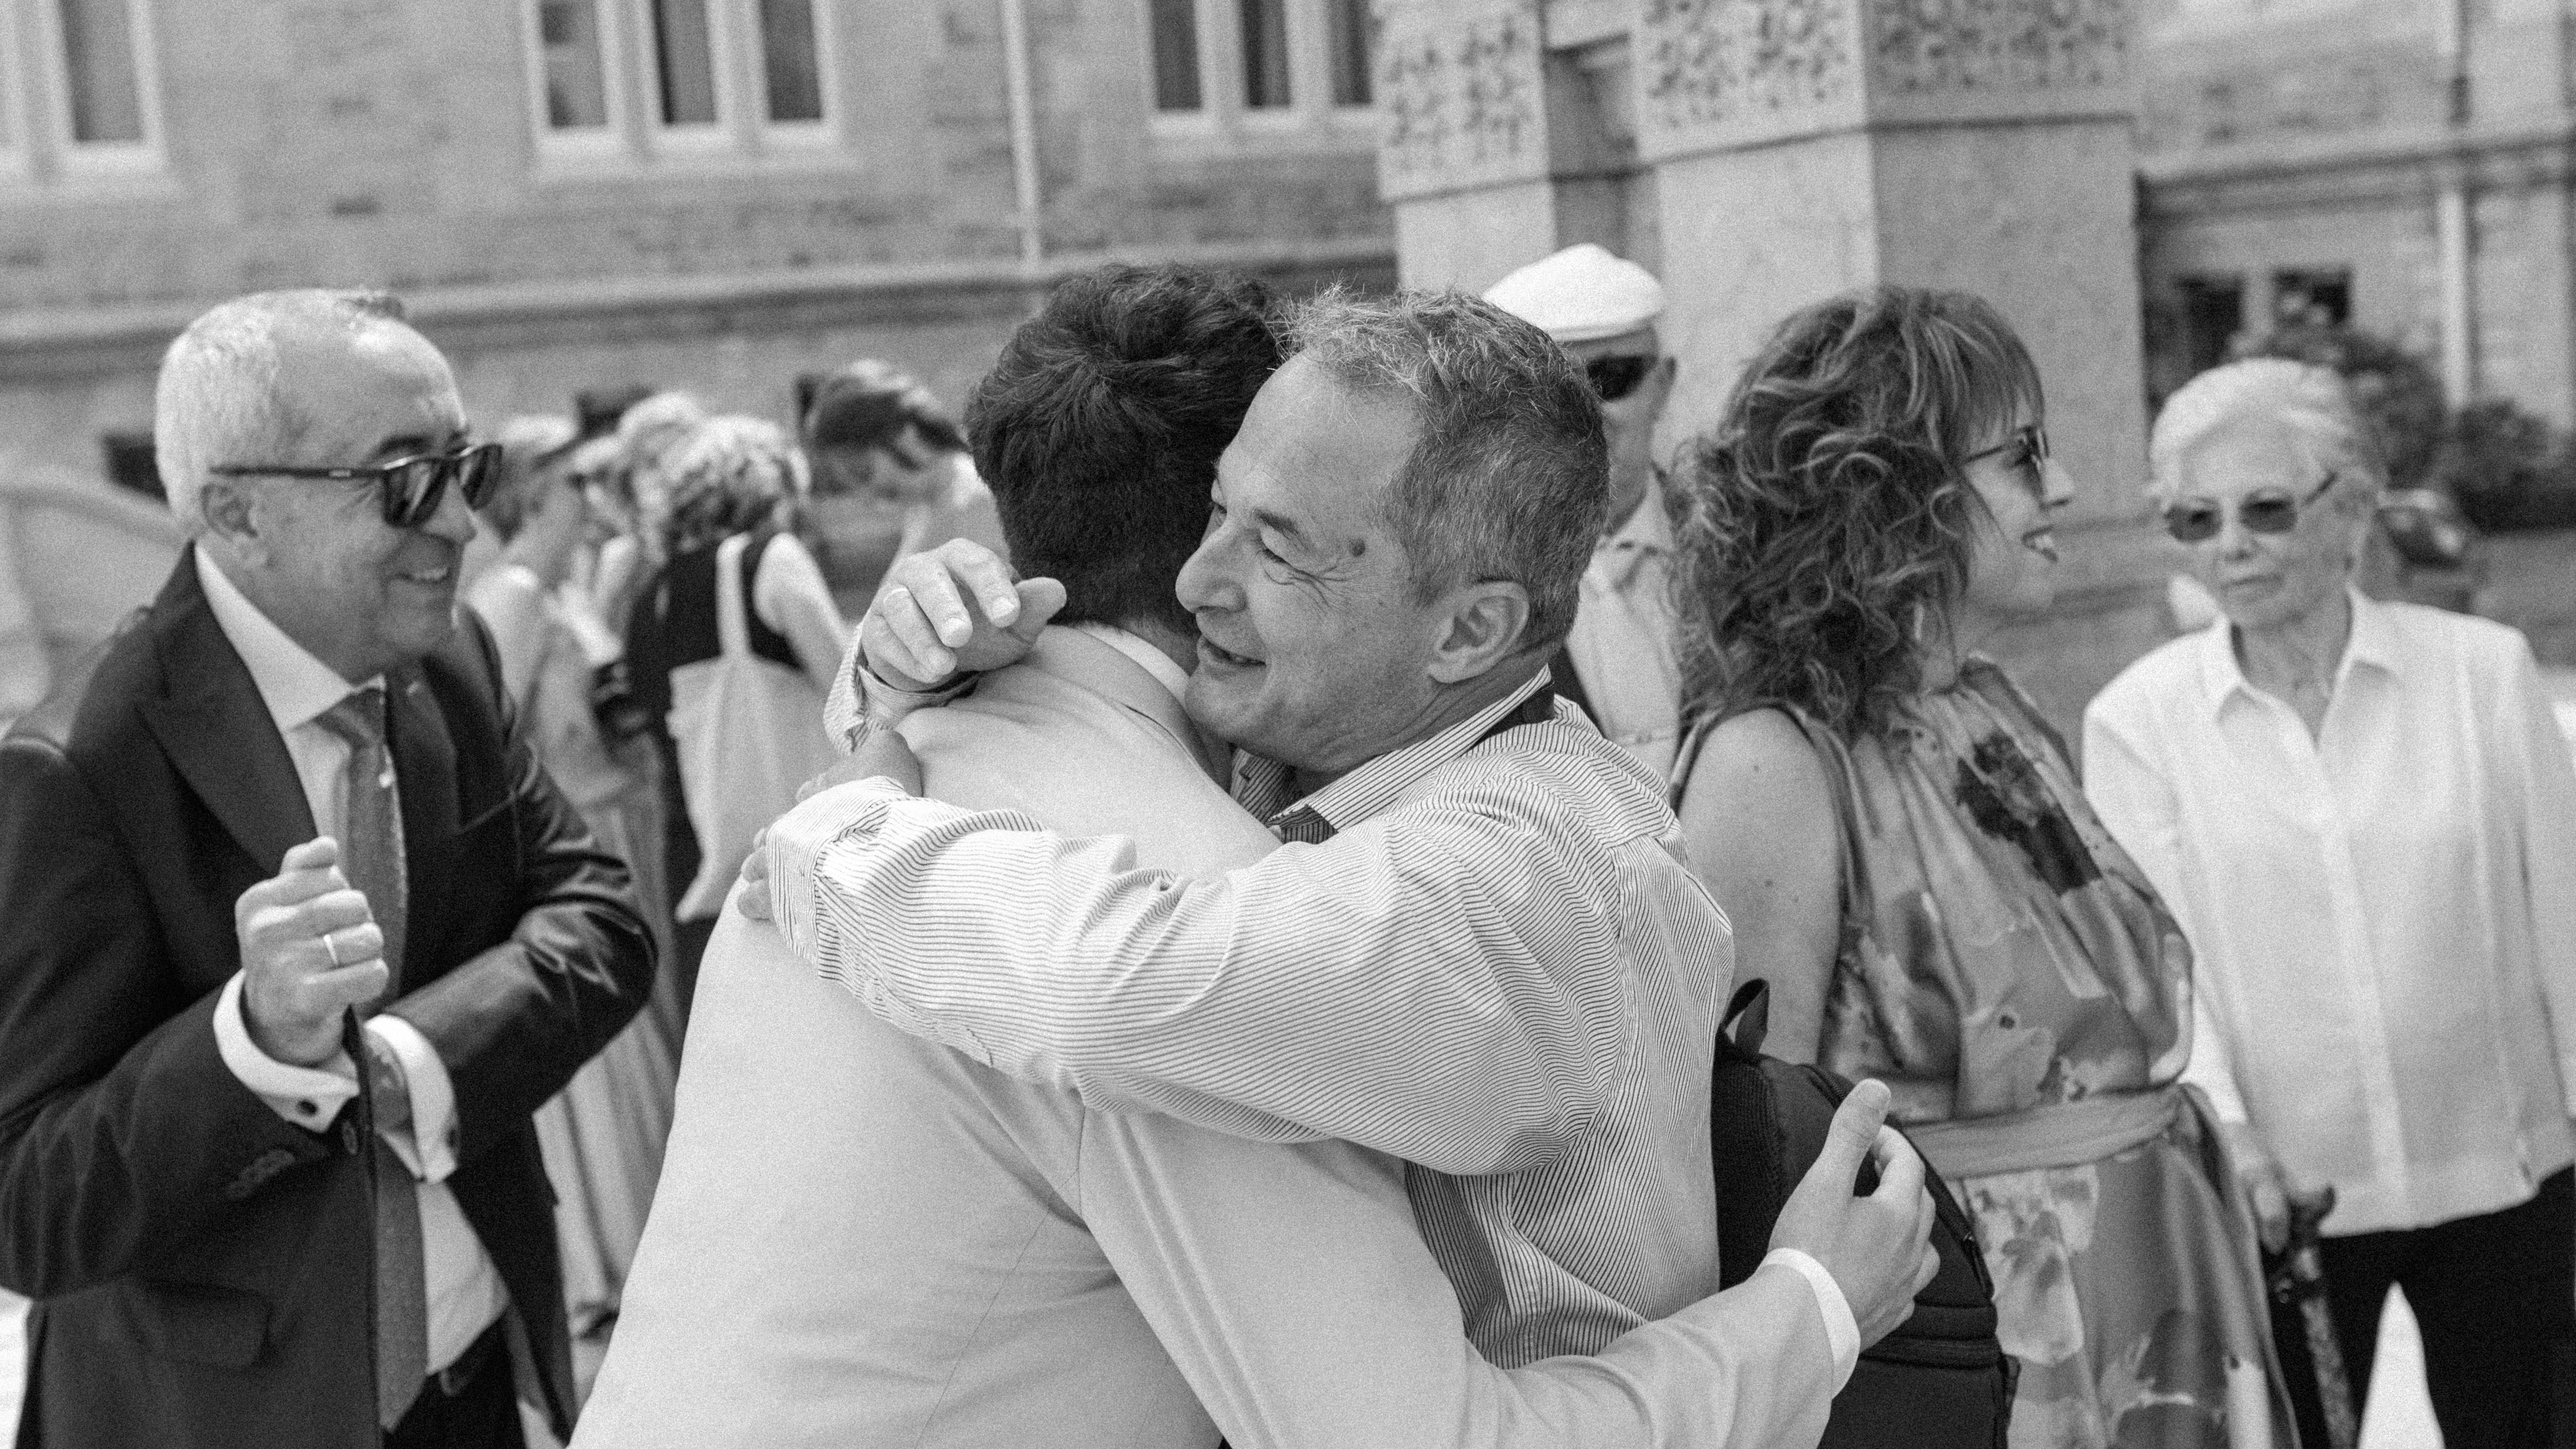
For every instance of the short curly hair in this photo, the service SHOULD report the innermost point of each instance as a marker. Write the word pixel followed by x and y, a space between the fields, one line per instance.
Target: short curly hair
pixel 729 475
pixel 1826 512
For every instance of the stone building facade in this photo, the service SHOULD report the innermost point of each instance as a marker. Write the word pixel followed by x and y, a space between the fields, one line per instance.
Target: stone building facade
pixel 715 194
pixel 1764 154
pixel 2403 165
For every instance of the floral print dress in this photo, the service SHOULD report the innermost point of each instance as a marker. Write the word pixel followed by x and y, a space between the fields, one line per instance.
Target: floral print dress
pixel 2000 954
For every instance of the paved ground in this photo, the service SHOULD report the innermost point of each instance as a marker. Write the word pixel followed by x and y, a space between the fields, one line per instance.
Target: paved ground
pixel 2399 1417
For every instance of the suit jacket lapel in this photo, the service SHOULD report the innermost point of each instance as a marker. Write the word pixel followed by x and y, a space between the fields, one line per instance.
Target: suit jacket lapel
pixel 425 775
pixel 216 730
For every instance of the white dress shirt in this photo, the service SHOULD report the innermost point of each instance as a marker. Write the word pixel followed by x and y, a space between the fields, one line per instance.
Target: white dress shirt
pixel 465 1294
pixel 2383 915
pixel 1623 643
pixel 1498 969
pixel 906 1247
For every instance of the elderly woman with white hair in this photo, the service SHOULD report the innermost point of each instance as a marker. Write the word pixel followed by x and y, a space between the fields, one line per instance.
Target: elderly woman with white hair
pixel 2365 819
pixel 731 650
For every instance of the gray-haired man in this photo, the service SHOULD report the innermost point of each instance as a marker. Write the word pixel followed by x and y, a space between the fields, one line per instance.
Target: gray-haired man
pixel 1479 950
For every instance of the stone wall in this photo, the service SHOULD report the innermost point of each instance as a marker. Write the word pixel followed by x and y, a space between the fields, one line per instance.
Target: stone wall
pixel 391 143
pixel 2317 133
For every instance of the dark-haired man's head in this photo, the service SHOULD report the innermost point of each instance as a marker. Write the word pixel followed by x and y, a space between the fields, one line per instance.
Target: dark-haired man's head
pixel 1099 430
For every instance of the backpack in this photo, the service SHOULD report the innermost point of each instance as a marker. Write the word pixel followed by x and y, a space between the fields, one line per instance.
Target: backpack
pixel 1941 1380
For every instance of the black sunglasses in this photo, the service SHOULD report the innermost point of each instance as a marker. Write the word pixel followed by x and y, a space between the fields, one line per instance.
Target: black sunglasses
pixel 408 489
pixel 2265 510
pixel 2028 444
pixel 1613 378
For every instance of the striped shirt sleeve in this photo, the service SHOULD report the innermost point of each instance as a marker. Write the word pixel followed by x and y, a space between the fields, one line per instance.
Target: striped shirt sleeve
pixel 1443 983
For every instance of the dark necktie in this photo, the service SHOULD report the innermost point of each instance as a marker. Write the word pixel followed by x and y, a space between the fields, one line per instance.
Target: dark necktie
pixel 1266 788
pixel 371 858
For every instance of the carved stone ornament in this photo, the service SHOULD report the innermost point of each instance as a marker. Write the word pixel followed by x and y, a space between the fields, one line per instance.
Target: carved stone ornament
pixel 1742 65
pixel 1923 46
pixel 1717 74
pixel 1460 92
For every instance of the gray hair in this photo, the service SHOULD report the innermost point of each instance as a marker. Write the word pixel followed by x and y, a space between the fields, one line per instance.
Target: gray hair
pixel 1509 478
pixel 2308 401
pixel 216 400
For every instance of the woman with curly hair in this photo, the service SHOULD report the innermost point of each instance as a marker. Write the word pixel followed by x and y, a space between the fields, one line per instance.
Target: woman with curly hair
pixel 1905 854
pixel 731 649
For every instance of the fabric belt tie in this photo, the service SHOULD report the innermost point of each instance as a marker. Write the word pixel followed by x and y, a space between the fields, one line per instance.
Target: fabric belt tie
pixel 371 858
pixel 2063 1134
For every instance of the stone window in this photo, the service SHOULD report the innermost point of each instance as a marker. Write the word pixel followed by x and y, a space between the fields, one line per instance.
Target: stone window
pixel 572 55
pixel 631 82
pixel 1263 28
pixel 1280 67
pixel 1350 40
pixel 684 63
pixel 80 96
pixel 2213 312
pixel 1176 55
pixel 2312 296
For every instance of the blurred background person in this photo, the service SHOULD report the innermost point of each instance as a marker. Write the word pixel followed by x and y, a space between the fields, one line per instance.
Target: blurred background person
pixel 1900 843
pixel 730 652
pixel 892 476
pixel 618 561
pixel 603 1134
pixel 647 434
pixel 2366 819
pixel 1620 663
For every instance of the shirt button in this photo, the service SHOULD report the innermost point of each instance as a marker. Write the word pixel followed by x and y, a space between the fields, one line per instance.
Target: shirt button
pixel 307 1108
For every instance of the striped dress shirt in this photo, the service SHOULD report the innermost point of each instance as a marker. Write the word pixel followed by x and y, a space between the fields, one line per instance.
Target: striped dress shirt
pixel 1491 962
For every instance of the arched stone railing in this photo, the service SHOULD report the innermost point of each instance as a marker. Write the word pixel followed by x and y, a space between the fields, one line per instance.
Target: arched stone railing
pixel 76 556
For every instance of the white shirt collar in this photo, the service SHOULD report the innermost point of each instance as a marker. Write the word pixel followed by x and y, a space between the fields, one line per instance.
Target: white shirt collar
pixel 1148 658
pixel 294 685
pixel 2369 642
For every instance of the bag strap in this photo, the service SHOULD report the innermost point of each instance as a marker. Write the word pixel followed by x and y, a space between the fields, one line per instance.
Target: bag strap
pixel 1751 1005
pixel 733 636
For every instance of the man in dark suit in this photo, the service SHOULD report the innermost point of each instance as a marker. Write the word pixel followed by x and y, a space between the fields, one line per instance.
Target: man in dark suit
pixel 289 798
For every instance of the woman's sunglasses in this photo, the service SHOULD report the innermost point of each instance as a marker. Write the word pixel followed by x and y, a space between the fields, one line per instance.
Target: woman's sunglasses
pixel 2027 449
pixel 1613 378
pixel 409 490
pixel 2265 510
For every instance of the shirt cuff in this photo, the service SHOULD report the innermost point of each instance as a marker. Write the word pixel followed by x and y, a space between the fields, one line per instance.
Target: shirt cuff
pixel 428 1146
pixel 798 838
pixel 309 1097
pixel 860 702
pixel 1842 1331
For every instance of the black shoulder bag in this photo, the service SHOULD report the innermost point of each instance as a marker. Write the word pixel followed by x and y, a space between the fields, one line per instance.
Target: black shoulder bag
pixel 1942 1379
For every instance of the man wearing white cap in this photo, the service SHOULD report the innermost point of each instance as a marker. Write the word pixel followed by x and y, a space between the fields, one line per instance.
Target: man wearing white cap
pixel 1619 663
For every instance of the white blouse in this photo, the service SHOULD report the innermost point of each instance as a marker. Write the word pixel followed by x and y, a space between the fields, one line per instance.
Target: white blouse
pixel 2384 917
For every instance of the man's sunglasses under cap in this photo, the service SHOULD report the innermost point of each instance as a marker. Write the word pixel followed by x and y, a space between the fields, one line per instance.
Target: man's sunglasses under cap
pixel 410 489
pixel 1613 378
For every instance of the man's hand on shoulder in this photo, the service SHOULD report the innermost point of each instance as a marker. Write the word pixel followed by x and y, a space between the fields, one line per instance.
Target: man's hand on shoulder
pixel 952 610
pixel 310 950
pixel 881 755
pixel 1878 1248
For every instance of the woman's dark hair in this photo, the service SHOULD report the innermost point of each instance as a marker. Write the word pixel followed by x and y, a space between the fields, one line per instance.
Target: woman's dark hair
pixel 1099 427
pixel 1826 514
pixel 868 403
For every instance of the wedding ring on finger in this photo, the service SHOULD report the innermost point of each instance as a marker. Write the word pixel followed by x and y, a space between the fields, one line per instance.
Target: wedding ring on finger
pixel 333 946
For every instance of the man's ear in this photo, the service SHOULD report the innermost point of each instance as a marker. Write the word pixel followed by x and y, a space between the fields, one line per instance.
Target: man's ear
pixel 231 514
pixel 1485 625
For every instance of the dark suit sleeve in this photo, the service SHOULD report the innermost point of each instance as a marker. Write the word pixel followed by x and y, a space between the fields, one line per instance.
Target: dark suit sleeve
pixel 514 1022
pixel 122 1133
